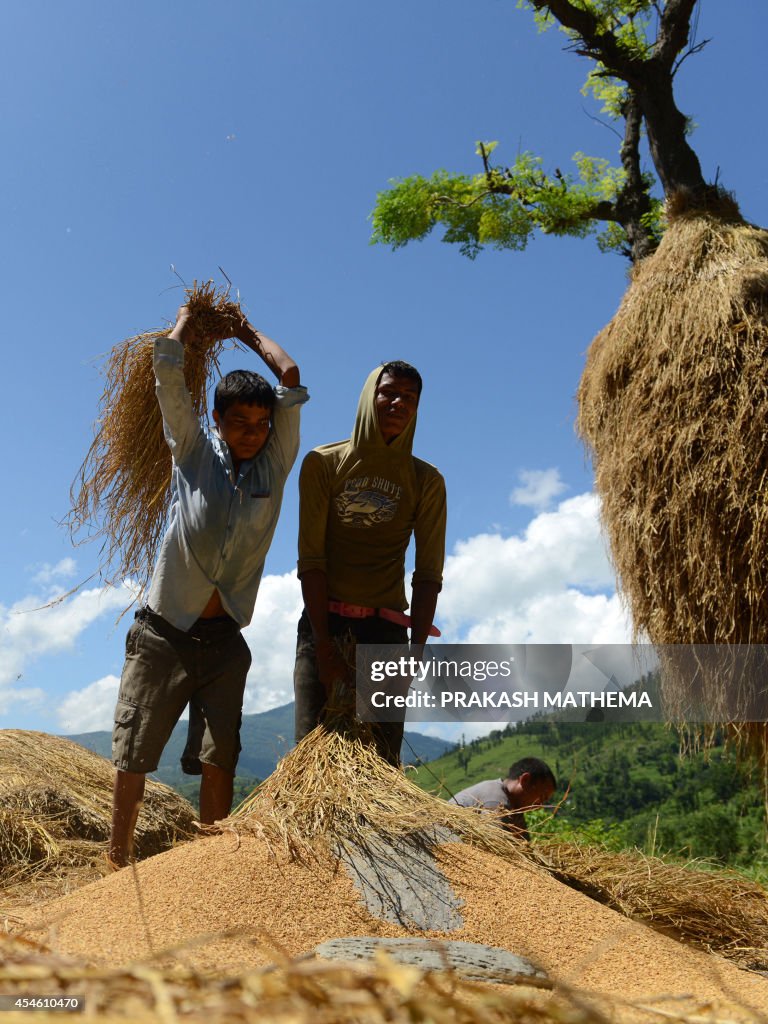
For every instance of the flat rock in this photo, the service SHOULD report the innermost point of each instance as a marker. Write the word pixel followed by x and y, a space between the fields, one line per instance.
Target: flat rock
pixel 470 960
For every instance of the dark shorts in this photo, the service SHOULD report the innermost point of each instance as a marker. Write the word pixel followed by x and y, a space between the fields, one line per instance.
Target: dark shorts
pixel 309 692
pixel 166 669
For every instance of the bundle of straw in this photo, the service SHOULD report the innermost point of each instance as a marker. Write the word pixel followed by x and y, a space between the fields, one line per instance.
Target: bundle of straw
pixel 717 911
pixel 121 492
pixel 673 405
pixel 55 813
pixel 333 789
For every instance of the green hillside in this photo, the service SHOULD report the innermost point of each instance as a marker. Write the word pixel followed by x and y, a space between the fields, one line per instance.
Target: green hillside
pixel 629 786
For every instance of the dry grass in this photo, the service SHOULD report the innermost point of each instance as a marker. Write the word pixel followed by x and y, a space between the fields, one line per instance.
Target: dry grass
pixel 673 405
pixel 720 912
pixel 55 812
pixel 120 495
pixel 334 788
pixel 310 991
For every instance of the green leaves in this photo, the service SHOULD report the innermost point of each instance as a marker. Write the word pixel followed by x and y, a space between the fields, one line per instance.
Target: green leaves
pixel 500 208
pixel 504 206
pixel 485 149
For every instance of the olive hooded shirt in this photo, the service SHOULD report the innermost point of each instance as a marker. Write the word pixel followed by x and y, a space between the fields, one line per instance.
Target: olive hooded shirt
pixel 360 502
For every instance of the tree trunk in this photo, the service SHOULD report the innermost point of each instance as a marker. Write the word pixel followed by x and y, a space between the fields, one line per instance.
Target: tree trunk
pixel 676 163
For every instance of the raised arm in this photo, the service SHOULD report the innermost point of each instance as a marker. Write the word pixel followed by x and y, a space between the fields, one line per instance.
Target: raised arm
pixel 276 358
pixel 181 426
pixel 182 330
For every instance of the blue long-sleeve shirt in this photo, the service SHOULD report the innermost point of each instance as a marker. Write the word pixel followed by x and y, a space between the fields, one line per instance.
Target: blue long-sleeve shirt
pixel 221 524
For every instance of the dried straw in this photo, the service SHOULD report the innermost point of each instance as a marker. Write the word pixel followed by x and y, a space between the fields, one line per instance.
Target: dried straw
pixel 673 404
pixel 299 991
pixel 333 788
pixel 721 912
pixel 121 492
pixel 55 813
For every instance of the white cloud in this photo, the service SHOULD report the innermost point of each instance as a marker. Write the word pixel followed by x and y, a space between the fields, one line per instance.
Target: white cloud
pixel 89 709
pixel 550 584
pixel 32 696
pixel 47 573
pixel 271 636
pixel 35 626
pixel 539 488
pixel 536 587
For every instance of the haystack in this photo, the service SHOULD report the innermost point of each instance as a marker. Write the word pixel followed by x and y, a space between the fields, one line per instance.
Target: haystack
pixel 719 911
pixel 55 813
pixel 121 493
pixel 334 788
pixel 673 405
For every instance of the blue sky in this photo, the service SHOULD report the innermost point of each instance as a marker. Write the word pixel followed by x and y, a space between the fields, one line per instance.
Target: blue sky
pixel 254 136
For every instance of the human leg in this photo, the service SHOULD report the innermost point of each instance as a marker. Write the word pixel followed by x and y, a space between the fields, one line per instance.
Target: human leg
pixel 309 694
pixel 216 788
pixel 151 699
pixel 390 641
pixel 388 738
pixel 127 795
pixel 215 715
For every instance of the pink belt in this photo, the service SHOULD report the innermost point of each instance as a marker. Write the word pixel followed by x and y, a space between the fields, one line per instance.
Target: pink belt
pixel 359 611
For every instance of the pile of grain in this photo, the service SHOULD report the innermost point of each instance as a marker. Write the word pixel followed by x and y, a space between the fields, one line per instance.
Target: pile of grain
pixel 302 991
pixel 171 910
pixel 722 912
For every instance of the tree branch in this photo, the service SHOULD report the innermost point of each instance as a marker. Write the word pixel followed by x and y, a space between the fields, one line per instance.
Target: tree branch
pixel 602 123
pixel 602 210
pixel 633 202
pixel 690 52
pixel 673 30
pixel 450 201
pixel 601 46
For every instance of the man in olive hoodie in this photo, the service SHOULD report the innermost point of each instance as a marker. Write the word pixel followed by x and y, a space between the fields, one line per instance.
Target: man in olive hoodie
pixel 361 500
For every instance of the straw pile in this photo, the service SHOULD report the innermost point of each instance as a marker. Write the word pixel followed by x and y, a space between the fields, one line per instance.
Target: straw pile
pixel 55 813
pixel 333 787
pixel 723 913
pixel 121 492
pixel 673 404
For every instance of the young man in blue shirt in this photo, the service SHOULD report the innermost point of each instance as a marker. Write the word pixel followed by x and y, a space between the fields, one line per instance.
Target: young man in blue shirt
pixel 185 646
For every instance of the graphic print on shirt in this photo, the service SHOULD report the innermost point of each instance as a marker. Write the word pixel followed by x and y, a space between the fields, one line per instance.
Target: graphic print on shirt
pixel 368 501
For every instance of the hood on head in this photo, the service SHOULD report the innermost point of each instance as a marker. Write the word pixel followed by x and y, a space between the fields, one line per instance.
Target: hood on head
pixel 366 430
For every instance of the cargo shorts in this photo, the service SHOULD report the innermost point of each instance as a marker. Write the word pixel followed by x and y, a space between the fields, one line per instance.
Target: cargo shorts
pixel 166 669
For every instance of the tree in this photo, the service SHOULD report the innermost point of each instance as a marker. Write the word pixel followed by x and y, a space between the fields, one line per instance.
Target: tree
pixel 636 48
pixel 674 396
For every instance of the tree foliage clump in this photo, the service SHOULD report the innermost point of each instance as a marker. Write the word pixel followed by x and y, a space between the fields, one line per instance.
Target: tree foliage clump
pixel 636 48
pixel 502 207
